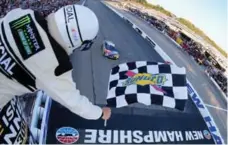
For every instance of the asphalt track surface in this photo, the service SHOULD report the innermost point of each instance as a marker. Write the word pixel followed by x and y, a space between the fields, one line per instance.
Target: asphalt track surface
pixel 196 75
pixel 91 69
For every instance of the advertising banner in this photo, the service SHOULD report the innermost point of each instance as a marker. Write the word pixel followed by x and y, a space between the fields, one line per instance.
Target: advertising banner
pixel 15 118
pixel 66 127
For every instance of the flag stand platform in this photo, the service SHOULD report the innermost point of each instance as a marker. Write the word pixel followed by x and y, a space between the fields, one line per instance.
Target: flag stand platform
pixel 181 128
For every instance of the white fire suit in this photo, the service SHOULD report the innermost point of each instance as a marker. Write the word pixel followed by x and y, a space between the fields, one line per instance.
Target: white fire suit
pixel 31 59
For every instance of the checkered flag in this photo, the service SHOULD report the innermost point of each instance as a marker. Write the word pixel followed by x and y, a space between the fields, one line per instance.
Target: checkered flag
pixel 147 83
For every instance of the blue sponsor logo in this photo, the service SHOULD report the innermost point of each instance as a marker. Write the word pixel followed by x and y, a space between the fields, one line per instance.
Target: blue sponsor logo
pixel 67 135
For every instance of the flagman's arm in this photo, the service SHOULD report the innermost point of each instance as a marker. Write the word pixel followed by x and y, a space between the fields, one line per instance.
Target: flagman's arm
pixel 63 90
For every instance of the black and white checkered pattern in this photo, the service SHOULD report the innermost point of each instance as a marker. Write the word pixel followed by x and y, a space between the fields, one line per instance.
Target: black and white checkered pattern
pixel 175 88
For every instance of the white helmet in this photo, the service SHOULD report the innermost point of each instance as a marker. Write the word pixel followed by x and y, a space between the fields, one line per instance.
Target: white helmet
pixel 73 26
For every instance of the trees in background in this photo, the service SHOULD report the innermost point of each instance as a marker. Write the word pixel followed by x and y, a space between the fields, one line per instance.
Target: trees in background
pixel 156 7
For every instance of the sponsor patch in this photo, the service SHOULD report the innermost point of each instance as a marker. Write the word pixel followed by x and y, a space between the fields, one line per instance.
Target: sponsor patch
pixel 26 36
pixel 67 135
pixel 74 34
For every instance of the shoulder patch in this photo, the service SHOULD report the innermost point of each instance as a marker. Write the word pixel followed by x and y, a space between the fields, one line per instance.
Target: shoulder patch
pixel 26 36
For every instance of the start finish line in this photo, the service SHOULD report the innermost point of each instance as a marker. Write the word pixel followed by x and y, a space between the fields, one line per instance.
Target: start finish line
pixel 66 127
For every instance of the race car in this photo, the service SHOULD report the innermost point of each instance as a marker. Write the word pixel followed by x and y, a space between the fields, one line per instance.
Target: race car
pixel 109 50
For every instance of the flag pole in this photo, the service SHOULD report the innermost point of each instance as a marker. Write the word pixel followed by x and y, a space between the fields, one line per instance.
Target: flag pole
pixel 105 123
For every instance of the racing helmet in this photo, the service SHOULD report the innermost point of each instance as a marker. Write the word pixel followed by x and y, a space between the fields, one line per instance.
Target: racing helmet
pixel 73 26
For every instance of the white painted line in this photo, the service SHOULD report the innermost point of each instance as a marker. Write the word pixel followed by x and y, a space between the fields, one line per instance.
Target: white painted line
pixel 83 3
pixel 216 107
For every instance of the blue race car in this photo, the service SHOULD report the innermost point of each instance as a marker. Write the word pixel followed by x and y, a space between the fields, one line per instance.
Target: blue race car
pixel 109 50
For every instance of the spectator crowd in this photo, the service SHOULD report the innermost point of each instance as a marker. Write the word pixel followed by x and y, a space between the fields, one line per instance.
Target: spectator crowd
pixel 194 49
pixel 45 7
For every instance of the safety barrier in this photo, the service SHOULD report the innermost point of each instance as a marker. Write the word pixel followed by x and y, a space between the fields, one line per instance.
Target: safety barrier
pixel 40 113
pixel 191 91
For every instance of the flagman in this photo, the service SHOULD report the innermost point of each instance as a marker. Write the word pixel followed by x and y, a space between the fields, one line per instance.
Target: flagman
pixel 34 54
